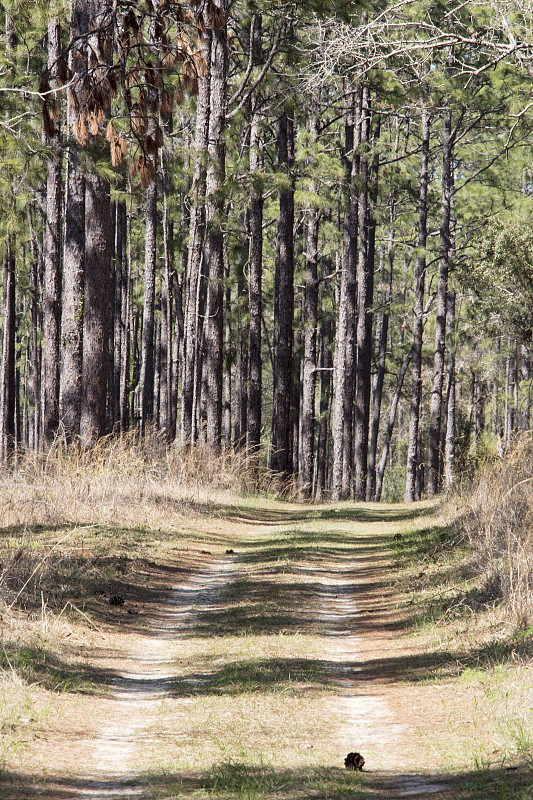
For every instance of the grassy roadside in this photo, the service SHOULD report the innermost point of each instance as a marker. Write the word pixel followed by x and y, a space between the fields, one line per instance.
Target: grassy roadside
pixel 258 707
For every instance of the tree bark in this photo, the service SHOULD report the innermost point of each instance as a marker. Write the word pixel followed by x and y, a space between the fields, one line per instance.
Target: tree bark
pixel 390 425
pixel 8 388
pixel 52 245
pixel 343 361
pixel 434 453
pixel 241 365
pixel 283 301
pixel 35 367
pixel 74 255
pixel 418 325
pixel 449 442
pixel 150 264
pixel 253 417
pixel 307 437
pixel 380 377
pixel 365 293
pixel 326 363
pixel 214 243
pixel 191 340
pixel 96 310
pixel 227 366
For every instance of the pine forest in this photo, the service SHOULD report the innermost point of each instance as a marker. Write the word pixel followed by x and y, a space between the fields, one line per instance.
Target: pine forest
pixel 300 230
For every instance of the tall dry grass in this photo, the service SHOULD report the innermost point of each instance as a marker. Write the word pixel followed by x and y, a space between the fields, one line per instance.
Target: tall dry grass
pixel 123 481
pixel 499 525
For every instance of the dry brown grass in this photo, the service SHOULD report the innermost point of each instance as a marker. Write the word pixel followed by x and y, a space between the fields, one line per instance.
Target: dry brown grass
pixel 121 481
pixel 498 522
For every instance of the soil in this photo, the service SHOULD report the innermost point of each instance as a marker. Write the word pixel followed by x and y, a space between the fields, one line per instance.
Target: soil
pixel 90 745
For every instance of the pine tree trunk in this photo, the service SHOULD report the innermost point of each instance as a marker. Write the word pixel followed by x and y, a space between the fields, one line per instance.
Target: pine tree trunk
pixel 52 248
pixel 440 329
pixel 166 313
pixel 35 369
pixel 241 366
pixel 96 309
pixel 127 291
pixel 120 313
pixel 307 438
pixel 110 418
pixel 390 425
pixel 253 416
pixel 343 361
pixel 449 443
pixel 74 255
pixel 227 367
pixel 7 398
pixel 177 343
pixel 214 243
pixel 283 302
pixel 191 333
pixel 365 293
pixel 380 377
pixel 326 364
pixel 418 324
pixel 150 265
pixel 294 456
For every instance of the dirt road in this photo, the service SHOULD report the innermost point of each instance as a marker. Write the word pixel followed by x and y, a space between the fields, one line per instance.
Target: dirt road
pixel 253 675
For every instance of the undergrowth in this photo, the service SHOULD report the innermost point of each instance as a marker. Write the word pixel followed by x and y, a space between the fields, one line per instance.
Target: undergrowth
pixel 497 521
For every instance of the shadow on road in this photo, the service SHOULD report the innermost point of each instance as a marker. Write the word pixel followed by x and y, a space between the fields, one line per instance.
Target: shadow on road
pixel 237 780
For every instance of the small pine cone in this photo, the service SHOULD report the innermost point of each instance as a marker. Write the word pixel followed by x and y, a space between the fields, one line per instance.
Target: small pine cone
pixel 116 600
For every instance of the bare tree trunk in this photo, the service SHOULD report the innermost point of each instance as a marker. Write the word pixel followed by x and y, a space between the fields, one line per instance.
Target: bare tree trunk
pixel 307 439
pixel 127 329
pixel 150 264
pixel 177 343
pixel 96 311
pixel 227 364
pixel 166 313
pixel 418 325
pixel 74 256
pixel 343 361
pixel 380 377
pixel 390 425
pixel 191 333
pixel 365 293
pixel 8 388
pixel 326 363
pixel 449 444
pixel 434 453
pixel 253 417
pixel 283 302
pixel 119 318
pixel 241 366
pixel 35 368
pixel 214 243
pixel 52 243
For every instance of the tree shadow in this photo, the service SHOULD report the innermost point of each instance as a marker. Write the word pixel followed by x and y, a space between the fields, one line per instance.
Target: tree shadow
pixel 233 779
pixel 350 512
pixel 45 668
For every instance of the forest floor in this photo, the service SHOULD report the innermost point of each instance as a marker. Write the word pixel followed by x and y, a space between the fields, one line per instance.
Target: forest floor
pixel 258 643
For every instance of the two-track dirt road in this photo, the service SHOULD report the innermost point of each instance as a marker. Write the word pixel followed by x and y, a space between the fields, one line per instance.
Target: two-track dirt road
pixel 255 675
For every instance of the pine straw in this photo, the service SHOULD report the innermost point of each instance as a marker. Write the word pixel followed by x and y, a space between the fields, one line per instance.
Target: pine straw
pixel 498 523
